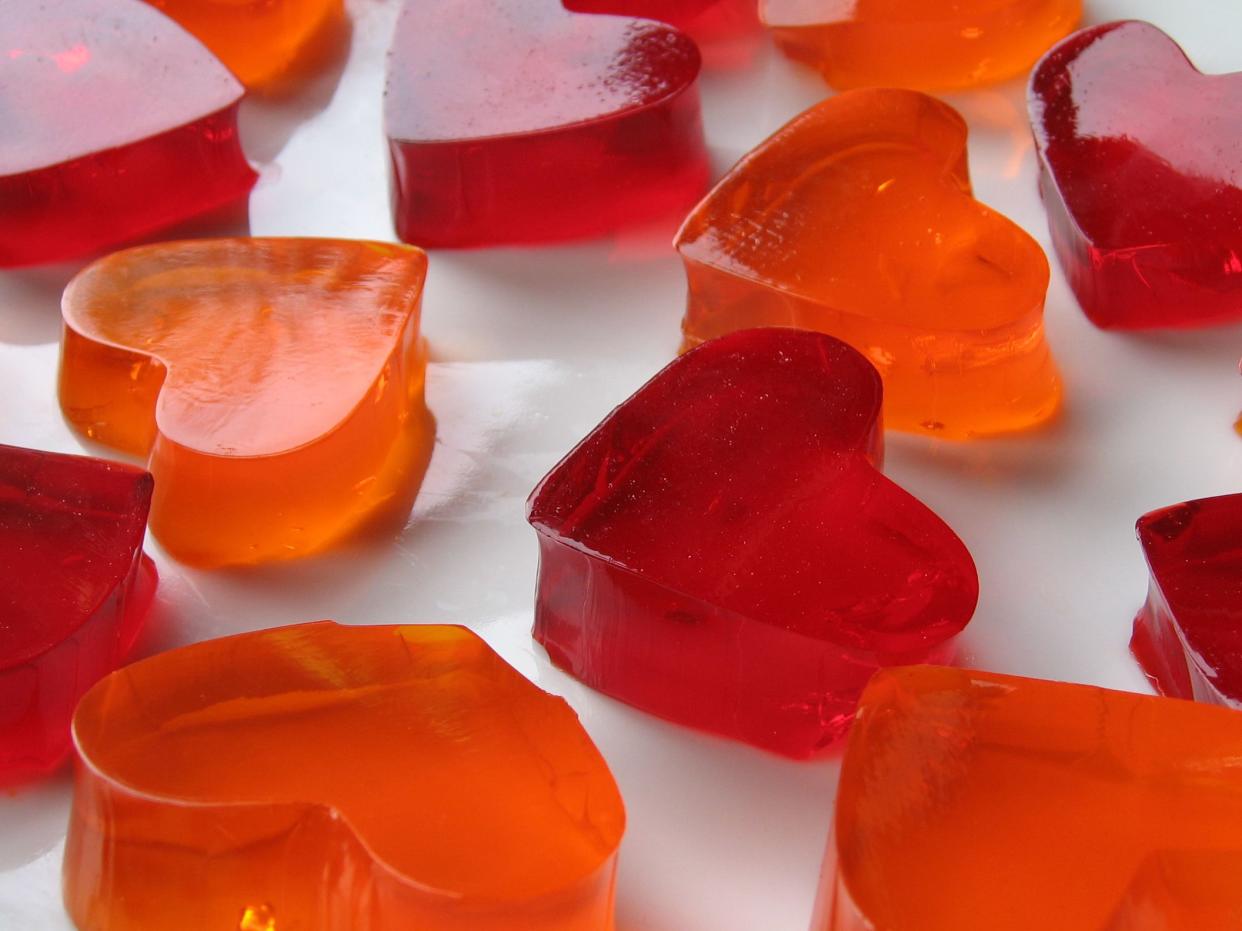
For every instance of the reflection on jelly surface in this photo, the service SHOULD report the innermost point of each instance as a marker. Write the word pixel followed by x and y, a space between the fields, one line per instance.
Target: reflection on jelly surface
pixel 1188 636
pixel 856 219
pixel 260 40
pixel 971 801
pixel 89 156
pixel 1142 178
pixel 722 550
pixel 75 588
pixel 580 124
pixel 917 43
pixel 276 386
pixel 328 777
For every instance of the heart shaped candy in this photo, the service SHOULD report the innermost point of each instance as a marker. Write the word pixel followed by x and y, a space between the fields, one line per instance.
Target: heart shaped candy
pixel 722 550
pixel 90 156
pixel 260 42
pixel 323 778
pixel 914 43
pixel 971 801
pixel 514 121
pixel 857 219
pixel 274 385
pixel 1188 636
pixel 1142 178
pixel 75 588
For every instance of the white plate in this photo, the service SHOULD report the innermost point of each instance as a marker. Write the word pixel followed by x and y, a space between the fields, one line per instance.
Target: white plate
pixel 532 347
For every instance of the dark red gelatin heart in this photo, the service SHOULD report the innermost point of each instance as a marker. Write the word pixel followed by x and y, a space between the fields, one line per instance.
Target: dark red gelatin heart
pixel 1188 636
pixel 724 552
pixel 75 588
pixel 116 123
pixel 516 121
pixel 1142 178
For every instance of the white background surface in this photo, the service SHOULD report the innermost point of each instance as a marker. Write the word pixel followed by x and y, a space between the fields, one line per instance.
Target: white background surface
pixel 531 348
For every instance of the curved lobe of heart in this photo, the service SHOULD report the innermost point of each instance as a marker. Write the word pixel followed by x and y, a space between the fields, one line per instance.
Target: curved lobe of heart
pixel 275 385
pixel 75 588
pixel 722 551
pixel 89 156
pixel 1141 177
pixel 971 801
pixel 324 777
pixel 580 124
pixel 1188 636
pixel 857 219
pixel 913 43
pixel 260 42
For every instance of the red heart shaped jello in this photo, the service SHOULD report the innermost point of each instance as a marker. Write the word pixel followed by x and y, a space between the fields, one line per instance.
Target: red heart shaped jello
pixel 116 123
pixel 1188 636
pixel 75 587
pixel 517 121
pixel 724 552
pixel 1142 178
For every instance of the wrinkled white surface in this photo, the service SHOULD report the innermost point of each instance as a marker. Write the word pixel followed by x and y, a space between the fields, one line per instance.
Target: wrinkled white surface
pixel 532 347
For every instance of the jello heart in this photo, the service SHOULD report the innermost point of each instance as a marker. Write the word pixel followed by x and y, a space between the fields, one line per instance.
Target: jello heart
pixel 722 550
pixel 1188 636
pixel 702 20
pixel 916 43
pixel 857 219
pixel 75 588
pixel 516 121
pixel 1142 178
pixel 260 41
pixel 971 801
pixel 324 778
pixel 90 155
pixel 274 385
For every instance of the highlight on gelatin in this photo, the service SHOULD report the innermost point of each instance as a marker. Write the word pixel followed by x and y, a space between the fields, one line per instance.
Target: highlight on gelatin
pixel 1141 178
pixel 857 219
pixel 705 21
pixel 274 386
pixel 75 589
pixel 579 125
pixel 1188 635
pixel 261 42
pixel 916 43
pixel 328 777
pixel 92 157
pixel 723 551
pixel 972 801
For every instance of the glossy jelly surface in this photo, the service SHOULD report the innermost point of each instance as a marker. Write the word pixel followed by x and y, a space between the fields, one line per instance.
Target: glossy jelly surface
pixel 916 43
pixel 1188 635
pixel 260 40
pixel 75 588
pixel 1141 177
pixel 703 20
pixel 971 801
pixel 722 550
pixel 323 777
pixel 856 219
pixel 578 126
pixel 274 385
pixel 90 157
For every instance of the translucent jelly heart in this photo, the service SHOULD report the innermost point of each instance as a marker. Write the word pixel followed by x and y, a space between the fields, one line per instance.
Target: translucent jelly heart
pixel 324 777
pixel 275 387
pixel 857 219
pixel 724 552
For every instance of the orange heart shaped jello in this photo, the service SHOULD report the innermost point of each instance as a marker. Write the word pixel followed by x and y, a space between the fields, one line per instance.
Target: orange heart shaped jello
pixel 275 385
pixel 856 219
pixel 321 778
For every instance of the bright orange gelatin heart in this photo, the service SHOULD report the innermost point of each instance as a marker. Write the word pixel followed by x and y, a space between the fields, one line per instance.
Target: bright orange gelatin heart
pixel 274 385
pixel 971 801
pixel 856 219
pixel 924 44
pixel 321 777
pixel 261 41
